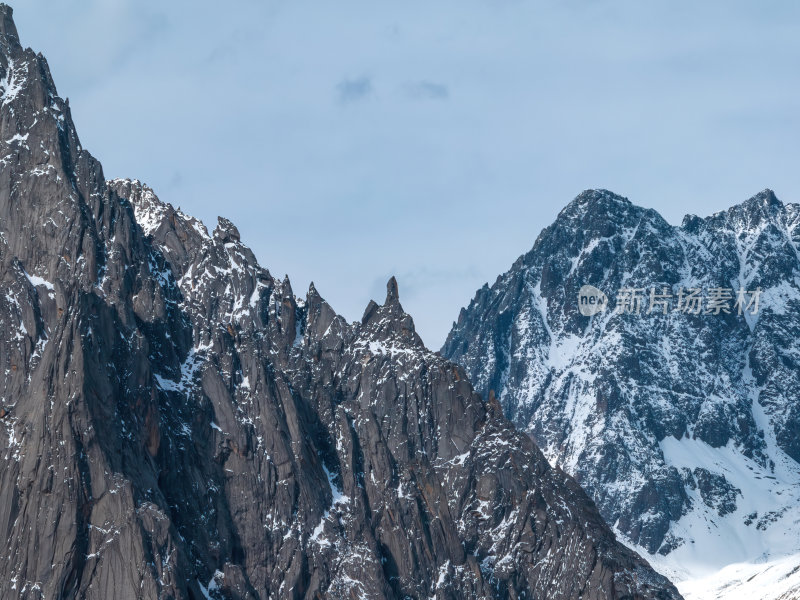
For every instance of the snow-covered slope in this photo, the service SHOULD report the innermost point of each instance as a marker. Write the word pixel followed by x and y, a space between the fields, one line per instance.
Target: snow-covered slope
pixel 683 427
pixel 775 580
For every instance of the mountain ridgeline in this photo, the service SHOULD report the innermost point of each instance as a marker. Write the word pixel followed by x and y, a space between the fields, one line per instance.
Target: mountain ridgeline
pixel 176 423
pixel 681 422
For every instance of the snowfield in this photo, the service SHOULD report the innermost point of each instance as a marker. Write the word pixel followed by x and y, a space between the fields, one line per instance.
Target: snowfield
pixel 776 580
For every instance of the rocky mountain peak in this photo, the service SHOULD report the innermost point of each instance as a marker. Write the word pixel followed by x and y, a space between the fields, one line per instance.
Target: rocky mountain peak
pixel 392 293
pixel 599 197
pixel 390 321
pixel 226 232
pixel 654 408
pixel 765 197
pixel 596 203
pixel 754 213
pixel 596 220
pixel 8 30
pixel 175 423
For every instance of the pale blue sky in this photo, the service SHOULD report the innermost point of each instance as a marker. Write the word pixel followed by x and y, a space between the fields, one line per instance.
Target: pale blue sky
pixel 432 140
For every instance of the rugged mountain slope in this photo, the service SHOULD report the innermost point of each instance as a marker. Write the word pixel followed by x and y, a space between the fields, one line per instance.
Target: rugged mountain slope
pixel 683 427
pixel 177 424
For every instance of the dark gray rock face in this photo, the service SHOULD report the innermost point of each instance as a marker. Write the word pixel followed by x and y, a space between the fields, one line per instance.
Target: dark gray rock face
pixel 177 424
pixel 630 404
pixel 716 491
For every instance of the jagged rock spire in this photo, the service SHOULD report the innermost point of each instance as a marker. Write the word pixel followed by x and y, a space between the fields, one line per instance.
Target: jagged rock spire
pixel 7 27
pixel 392 293
pixel 185 423
pixel 226 231
pixel 389 319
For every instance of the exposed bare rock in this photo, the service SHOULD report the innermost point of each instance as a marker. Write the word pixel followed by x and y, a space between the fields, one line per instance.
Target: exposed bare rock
pixel 178 424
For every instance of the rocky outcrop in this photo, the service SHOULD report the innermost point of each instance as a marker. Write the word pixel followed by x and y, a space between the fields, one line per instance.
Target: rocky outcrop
pixel 178 424
pixel 678 422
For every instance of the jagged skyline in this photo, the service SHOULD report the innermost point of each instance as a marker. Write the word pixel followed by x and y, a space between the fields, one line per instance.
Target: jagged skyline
pixel 177 423
pixel 466 113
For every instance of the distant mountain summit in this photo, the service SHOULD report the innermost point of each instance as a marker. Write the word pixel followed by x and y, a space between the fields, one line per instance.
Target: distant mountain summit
pixel 176 423
pixel 677 407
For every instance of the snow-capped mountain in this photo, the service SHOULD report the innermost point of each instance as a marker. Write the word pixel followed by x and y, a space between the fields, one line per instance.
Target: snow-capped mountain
pixel 176 423
pixel 672 398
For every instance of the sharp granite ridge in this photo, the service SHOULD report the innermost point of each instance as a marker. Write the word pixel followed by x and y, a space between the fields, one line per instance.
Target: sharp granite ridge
pixel 176 423
pixel 684 428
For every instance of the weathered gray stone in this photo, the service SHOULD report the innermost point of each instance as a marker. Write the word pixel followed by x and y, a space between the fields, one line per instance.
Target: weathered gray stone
pixel 176 424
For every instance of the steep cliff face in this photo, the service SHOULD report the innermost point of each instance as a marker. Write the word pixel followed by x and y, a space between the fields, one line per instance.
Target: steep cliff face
pixel 74 392
pixel 176 423
pixel 682 425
